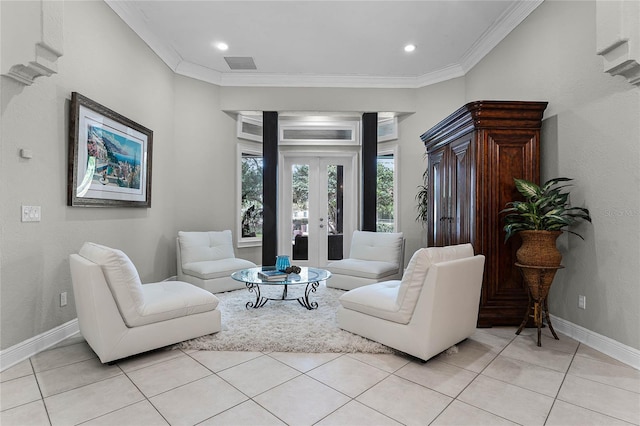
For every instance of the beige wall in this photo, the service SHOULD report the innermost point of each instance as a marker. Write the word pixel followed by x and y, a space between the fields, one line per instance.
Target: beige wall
pixel 591 133
pixel 105 61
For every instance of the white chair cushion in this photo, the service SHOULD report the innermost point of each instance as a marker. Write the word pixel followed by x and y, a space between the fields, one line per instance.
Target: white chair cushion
pixel 378 246
pixel 172 299
pixel 377 300
pixel 212 269
pixel 416 272
pixel 363 268
pixel 205 246
pixel 412 283
pixel 122 277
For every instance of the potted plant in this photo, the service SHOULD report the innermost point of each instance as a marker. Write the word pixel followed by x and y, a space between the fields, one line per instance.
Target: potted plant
pixel 422 198
pixel 540 219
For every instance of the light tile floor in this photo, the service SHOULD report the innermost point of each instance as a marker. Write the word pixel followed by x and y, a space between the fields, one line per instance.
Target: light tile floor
pixel 495 378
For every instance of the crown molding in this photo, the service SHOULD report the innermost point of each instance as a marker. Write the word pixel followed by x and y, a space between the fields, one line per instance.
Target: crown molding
pixel 132 17
pixel 506 23
pixel 510 19
pixel 189 69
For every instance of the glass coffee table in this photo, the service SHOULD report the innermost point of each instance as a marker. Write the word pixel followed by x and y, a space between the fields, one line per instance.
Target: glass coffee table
pixel 310 277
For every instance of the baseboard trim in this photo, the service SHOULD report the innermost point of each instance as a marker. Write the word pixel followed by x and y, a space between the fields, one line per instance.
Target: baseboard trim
pixel 613 348
pixel 23 350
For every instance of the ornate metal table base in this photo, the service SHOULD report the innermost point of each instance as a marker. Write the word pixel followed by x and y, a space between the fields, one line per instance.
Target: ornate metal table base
pixel 262 300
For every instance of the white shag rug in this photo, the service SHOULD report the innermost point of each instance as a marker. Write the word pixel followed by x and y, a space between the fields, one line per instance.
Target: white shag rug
pixel 282 326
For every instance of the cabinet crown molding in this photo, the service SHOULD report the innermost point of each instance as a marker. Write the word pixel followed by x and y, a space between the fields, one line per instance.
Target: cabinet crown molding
pixel 487 115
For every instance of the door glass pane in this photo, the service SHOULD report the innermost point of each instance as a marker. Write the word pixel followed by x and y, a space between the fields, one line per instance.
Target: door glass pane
pixel 335 211
pixel 251 198
pixel 300 211
pixel 385 196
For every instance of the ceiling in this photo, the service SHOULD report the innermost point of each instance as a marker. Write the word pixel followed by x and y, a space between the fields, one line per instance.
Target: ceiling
pixel 324 43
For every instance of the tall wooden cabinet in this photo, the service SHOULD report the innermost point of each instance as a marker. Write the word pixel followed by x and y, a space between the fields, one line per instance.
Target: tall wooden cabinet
pixel 473 156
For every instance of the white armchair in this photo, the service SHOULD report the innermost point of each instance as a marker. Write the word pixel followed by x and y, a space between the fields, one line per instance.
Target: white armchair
pixel 434 307
pixel 119 316
pixel 207 259
pixel 374 257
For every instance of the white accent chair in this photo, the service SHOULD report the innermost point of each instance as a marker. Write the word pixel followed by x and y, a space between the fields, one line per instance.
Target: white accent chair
pixel 119 316
pixel 374 257
pixel 207 259
pixel 434 307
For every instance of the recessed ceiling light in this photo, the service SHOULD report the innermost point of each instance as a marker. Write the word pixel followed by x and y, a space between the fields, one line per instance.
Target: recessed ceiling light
pixel 410 48
pixel 221 46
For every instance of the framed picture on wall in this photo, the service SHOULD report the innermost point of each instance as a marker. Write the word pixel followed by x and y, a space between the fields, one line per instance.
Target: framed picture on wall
pixel 109 157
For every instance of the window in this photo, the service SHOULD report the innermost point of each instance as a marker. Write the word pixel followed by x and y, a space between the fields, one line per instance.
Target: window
pixel 387 129
pixel 250 128
pixel 386 191
pixel 297 132
pixel 250 195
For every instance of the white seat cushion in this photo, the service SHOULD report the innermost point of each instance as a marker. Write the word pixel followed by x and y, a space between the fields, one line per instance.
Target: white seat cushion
pixel 363 268
pixel 378 300
pixel 173 299
pixel 205 246
pixel 377 246
pixel 122 277
pixel 212 269
pixel 392 300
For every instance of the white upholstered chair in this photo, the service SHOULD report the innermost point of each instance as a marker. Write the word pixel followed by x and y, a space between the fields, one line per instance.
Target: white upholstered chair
pixel 119 316
pixel 432 308
pixel 374 257
pixel 207 259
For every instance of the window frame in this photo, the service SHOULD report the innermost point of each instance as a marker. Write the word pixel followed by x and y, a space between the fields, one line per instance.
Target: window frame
pixel 250 148
pixel 392 149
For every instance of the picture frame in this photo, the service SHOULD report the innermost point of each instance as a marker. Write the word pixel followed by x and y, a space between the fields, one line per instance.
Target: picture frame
pixel 109 157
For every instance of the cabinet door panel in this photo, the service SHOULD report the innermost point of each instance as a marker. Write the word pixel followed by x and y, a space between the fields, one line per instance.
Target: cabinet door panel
pixel 462 192
pixel 510 155
pixel 438 198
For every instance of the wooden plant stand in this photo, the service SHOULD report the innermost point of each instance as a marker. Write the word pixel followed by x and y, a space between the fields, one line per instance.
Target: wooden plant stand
pixel 538 281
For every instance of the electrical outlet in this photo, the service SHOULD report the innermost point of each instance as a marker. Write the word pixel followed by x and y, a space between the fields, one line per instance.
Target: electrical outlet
pixel 582 302
pixel 31 213
pixel 63 299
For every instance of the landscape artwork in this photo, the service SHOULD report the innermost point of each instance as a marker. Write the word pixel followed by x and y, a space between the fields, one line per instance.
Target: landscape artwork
pixel 109 158
pixel 118 160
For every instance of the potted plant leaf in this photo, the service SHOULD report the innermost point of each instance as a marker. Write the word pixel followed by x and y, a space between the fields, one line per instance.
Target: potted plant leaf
pixel 540 219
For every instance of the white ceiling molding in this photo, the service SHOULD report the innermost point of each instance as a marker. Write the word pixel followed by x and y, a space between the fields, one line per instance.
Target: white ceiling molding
pixel 506 23
pixel 199 72
pixel 618 38
pixel 296 80
pixel 132 17
pixel 444 74
pixel 47 50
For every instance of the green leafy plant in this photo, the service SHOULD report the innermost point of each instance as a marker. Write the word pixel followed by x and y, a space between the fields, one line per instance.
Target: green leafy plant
pixel 546 208
pixel 422 198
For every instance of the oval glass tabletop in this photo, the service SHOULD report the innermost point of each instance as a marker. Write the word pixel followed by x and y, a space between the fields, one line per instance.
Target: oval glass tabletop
pixel 306 275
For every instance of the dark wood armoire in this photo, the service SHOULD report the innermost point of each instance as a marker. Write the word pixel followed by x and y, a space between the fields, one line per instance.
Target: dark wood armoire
pixel 473 156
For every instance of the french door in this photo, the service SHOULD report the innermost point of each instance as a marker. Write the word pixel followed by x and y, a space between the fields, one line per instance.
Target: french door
pixel 317 207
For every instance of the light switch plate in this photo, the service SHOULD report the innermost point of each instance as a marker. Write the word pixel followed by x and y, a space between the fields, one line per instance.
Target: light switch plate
pixel 31 213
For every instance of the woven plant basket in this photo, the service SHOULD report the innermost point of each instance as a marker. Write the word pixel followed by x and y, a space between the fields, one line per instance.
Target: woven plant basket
pixel 539 249
pixel 539 282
